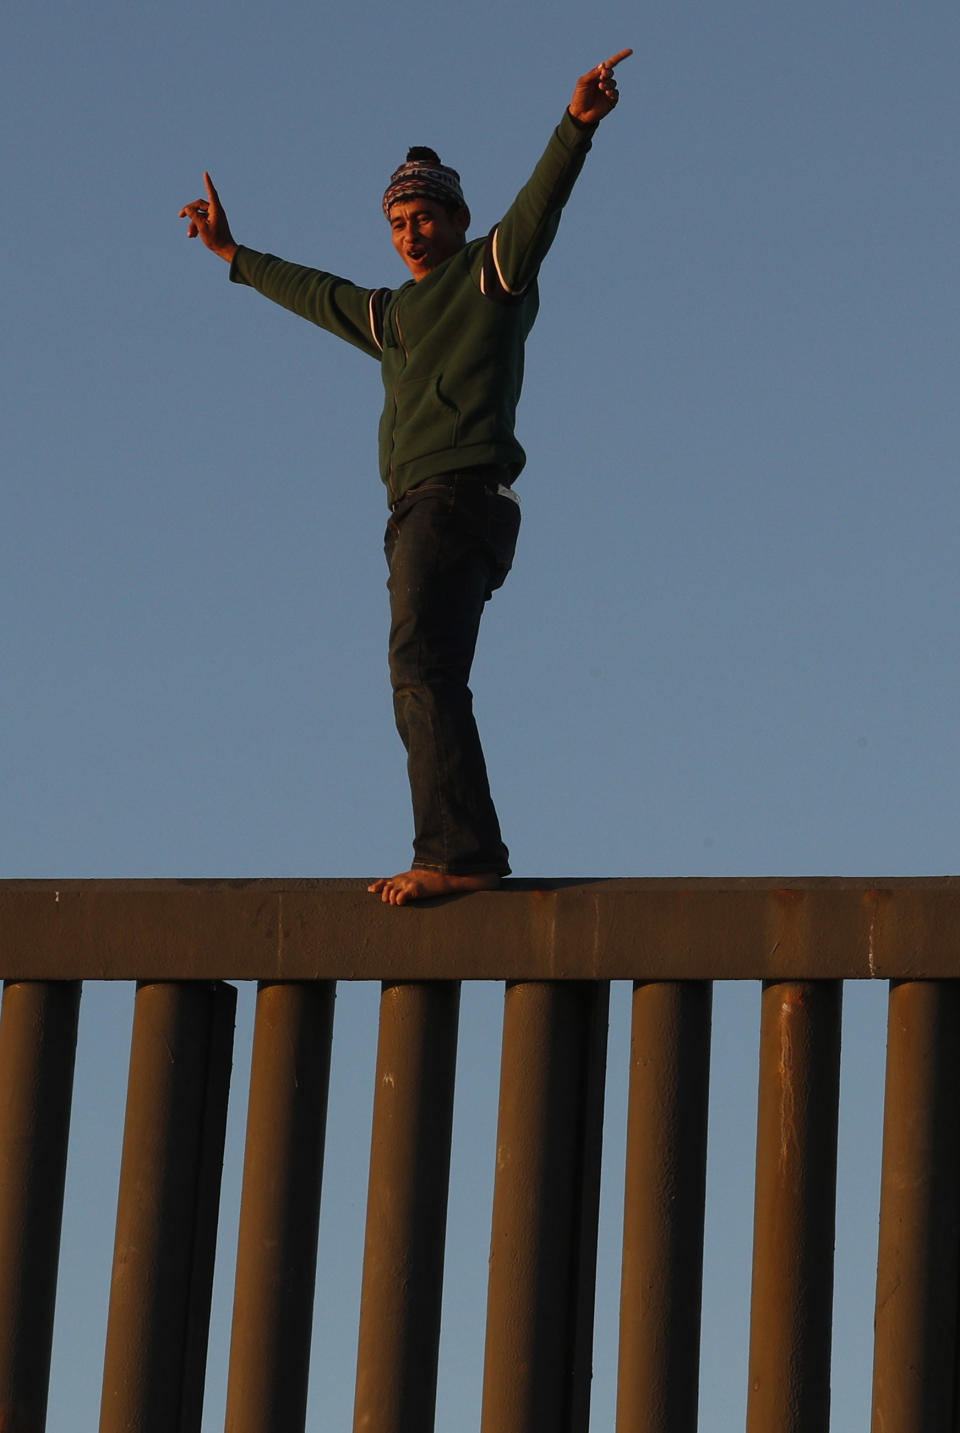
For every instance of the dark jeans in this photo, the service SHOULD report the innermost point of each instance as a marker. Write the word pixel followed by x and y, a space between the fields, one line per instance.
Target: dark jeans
pixel 449 545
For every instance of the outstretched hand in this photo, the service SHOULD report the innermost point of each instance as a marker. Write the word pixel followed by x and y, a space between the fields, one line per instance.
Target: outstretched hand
pixel 596 92
pixel 209 222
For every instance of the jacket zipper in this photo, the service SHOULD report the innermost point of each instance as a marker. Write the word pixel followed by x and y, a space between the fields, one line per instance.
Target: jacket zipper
pixel 391 492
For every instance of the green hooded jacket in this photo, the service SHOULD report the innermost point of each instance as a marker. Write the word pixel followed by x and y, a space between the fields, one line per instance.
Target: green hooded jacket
pixel 451 345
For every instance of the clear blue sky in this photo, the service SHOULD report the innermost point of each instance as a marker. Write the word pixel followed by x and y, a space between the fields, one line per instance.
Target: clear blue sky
pixel 728 645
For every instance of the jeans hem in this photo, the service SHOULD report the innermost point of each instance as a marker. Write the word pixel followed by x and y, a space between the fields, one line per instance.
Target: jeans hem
pixel 458 870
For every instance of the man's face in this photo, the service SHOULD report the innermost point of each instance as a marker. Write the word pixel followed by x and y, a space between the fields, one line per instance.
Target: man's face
pixel 425 233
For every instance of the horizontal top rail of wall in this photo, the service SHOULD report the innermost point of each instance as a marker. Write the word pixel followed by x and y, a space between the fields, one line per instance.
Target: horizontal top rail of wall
pixel 581 929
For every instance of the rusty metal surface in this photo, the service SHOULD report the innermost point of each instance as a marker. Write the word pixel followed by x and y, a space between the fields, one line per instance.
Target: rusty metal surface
pixel 753 928
pixel 280 1209
pixel 544 1237
pixel 38 1038
pixel 556 943
pixel 170 1170
pixel 793 1233
pixel 666 1169
pixel 918 1278
pixel 407 1208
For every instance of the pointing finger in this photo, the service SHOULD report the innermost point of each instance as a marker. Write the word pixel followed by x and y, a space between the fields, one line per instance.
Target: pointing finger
pixel 615 59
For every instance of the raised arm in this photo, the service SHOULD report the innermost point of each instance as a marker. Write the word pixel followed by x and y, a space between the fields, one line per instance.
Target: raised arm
pixel 209 223
pixel 521 240
pixel 325 299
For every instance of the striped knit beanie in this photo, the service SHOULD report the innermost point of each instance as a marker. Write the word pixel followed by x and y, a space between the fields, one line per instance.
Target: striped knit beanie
pixel 423 176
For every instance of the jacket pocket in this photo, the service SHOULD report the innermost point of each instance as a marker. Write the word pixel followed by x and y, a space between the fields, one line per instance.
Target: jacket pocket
pixel 427 421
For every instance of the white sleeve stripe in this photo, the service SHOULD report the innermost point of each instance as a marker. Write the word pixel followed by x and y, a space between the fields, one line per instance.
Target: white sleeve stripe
pixel 496 264
pixel 373 328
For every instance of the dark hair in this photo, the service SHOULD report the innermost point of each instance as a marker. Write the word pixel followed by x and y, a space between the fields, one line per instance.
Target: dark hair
pixel 425 155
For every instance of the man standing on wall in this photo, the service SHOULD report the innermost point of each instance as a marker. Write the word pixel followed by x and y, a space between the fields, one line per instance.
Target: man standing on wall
pixel 450 345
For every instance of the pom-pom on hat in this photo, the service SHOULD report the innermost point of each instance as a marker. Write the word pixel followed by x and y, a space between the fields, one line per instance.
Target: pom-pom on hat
pixel 423 176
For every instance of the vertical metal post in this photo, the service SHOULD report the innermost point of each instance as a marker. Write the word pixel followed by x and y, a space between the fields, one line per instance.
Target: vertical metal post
pixel 280 1208
pixel 918 1276
pixel 172 1160
pixel 794 1218
pixel 38 1040
pixel 662 1284
pixel 544 1240
pixel 407 1208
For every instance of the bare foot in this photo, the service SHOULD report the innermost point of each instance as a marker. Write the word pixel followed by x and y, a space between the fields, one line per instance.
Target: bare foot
pixel 419 885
